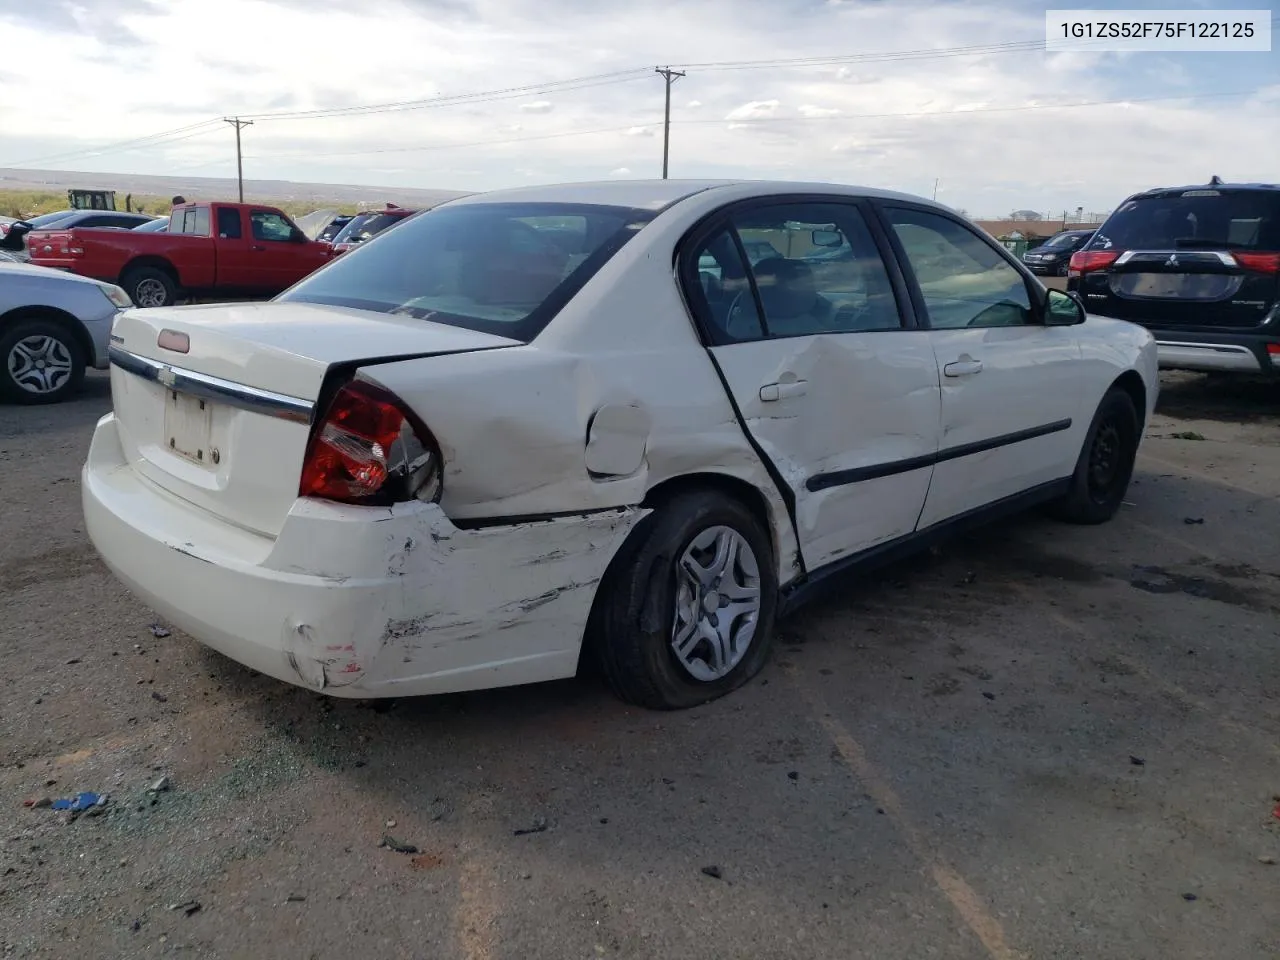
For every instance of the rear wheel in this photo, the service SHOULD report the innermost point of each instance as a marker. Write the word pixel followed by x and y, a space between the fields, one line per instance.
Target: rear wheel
pixel 150 287
pixel 40 362
pixel 686 613
pixel 1105 466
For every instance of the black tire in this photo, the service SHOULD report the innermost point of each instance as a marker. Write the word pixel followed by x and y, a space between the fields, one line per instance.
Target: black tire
pixel 633 619
pixel 39 342
pixel 1105 466
pixel 150 287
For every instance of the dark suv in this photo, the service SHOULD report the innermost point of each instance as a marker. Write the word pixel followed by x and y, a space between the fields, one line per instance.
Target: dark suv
pixel 1199 266
pixel 1051 257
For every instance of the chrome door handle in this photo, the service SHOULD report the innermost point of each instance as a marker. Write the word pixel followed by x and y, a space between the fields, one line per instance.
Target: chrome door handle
pixel 257 249
pixel 771 392
pixel 964 367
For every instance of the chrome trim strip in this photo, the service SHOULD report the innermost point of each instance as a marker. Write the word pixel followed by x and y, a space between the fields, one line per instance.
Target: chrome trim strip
pixel 1215 347
pixel 215 389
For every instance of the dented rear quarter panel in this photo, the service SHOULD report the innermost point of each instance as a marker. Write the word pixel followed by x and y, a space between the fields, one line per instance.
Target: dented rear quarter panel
pixel 618 378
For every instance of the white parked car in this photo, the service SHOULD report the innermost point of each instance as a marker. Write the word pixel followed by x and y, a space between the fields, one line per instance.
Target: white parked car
pixel 535 422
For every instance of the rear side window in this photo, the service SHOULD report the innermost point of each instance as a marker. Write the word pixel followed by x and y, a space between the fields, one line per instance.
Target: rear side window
pixel 228 223
pixel 1194 220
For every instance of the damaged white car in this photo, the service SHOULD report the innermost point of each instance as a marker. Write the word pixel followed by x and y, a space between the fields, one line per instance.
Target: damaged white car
pixel 636 420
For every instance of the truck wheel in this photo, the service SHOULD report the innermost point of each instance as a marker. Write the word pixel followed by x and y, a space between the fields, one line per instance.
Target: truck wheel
pixel 150 287
pixel 40 362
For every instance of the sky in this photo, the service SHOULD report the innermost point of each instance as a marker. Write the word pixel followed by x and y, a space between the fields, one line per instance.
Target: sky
pixel 1013 128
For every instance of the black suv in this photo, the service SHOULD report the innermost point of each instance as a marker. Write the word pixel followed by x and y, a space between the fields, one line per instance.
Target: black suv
pixel 1199 266
pixel 1050 259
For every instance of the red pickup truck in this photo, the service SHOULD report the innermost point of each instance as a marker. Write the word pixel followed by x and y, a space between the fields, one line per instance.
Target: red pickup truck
pixel 240 249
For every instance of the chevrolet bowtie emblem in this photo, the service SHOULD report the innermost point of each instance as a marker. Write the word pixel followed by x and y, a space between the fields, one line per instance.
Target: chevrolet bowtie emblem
pixel 167 376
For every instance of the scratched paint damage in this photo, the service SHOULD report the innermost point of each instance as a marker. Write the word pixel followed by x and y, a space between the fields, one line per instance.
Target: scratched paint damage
pixel 507 603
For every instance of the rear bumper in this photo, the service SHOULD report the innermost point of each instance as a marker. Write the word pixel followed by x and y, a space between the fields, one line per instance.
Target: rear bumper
pixel 1244 353
pixel 352 601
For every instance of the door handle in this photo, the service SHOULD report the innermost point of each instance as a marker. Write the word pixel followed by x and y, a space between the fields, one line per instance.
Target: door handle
pixel 783 390
pixel 966 366
pixel 257 248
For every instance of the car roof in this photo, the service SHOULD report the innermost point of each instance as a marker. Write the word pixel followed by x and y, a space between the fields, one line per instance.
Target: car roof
pixel 1219 186
pixel 658 194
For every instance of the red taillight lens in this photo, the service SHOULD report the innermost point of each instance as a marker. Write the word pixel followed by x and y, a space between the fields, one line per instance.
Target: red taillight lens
pixel 1087 261
pixel 1261 262
pixel 369 449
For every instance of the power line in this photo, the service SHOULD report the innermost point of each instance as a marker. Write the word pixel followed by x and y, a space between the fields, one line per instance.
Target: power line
pixel 153 139
pixel 555 86
pixel 423 148
pixel 963 113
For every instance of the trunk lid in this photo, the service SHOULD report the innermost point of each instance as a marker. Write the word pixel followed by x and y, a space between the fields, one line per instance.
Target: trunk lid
pixel 225 424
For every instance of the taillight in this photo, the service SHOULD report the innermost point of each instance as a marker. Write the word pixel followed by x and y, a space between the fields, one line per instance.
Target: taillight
pixel 369 449
pixel 1261 262
pixel 1088 261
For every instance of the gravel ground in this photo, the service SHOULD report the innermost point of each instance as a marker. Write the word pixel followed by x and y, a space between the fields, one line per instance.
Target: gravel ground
pixel 1038 742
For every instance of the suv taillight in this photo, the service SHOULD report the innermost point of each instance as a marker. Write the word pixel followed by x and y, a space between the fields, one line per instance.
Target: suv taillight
pixel 370 449
pixel 1261 262
pixel 1087 261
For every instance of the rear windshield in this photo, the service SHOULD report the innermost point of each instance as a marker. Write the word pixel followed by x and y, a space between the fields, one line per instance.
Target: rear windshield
pixel 497 268
pixel 1241 220
pixel 48 219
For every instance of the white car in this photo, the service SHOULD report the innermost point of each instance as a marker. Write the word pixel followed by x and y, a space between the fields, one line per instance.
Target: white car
pixel 538 422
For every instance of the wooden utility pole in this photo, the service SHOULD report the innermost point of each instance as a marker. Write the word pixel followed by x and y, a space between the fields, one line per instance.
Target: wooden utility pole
pixel 670 76
pixel 238 123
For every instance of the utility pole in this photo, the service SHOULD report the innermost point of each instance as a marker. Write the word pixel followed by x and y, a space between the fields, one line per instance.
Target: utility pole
pixel 670 76
pixel 238 123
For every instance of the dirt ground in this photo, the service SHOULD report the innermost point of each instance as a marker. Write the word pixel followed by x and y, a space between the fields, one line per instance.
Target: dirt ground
pixel 1039 742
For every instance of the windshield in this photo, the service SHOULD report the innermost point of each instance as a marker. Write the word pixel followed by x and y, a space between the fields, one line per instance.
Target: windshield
pixel 152 226
pixel 1204 219
pixel 497 268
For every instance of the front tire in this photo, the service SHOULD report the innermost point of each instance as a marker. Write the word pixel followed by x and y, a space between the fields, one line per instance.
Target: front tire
pixel 40 362
pixel 686 613
pixel 1105 466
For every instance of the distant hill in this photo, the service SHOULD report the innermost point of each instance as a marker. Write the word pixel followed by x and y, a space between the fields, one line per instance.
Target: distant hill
pixel 221 188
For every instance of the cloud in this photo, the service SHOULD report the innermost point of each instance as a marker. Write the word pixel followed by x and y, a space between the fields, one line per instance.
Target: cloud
pixel 754 110
pixel 538 106
pixel 990 126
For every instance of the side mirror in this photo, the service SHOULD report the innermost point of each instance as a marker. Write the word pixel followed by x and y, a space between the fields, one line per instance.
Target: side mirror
pixel 826 238
pixel 298 236
pixel 1063 309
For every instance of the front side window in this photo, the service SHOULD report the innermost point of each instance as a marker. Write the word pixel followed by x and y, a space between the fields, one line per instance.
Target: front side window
pixel 270 226
pixel 502 268
pixel 814 268
pixel 963 280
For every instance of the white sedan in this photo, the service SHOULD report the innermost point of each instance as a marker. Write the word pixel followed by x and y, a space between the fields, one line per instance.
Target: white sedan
pixel 537 423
